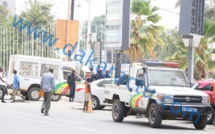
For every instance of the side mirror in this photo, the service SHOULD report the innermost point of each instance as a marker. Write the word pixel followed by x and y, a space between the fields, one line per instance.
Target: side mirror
pixel 139 83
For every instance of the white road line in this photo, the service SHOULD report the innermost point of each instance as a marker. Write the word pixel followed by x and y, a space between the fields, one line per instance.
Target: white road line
pixel 33 116
pixel 92 130
pixel 69 126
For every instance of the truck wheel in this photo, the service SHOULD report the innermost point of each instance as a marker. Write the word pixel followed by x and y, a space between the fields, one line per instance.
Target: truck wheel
pixel 33 94
pixel 101 107
pixel 211 117
pixel 202 122
pixel 25 94
pixel 118 111
pixel 56 97
pixel 154 116
pixel 95 102
pixel 1 93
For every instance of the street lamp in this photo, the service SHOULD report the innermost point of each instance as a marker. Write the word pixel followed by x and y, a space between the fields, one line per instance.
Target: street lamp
pixel 89 26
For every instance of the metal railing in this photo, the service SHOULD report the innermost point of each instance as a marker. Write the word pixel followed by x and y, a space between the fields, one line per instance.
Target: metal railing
pixel 13 41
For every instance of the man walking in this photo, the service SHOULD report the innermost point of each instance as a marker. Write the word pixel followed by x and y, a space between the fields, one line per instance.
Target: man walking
pixel 71 81
pixel 15 85
pixel 2 85
pixel 47 85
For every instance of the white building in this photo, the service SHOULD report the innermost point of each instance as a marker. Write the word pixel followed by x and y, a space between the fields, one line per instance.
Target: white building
pixel 9 4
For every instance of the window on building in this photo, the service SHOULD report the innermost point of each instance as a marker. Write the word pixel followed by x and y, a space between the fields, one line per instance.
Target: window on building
pixel 28 69
pixel 5 4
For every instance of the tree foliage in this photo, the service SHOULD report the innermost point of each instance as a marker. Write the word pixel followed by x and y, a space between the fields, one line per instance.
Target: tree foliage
pixel 169 37
pixel 38 13
pixel 144 29
pixel 203 53
pixel 14 41
pixel 97 26
pixel 5 18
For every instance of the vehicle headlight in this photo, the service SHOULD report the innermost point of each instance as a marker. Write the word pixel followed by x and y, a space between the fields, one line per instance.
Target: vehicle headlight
pixel 205 99
pixel 164 98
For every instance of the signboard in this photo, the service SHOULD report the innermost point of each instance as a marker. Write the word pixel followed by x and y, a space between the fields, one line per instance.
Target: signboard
pixel 61 32
pixel 96 52
pixel 192 17
pixel 117 33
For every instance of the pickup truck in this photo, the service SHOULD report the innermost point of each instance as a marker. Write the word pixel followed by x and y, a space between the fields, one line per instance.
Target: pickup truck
pixel 160 91
pixel 30 70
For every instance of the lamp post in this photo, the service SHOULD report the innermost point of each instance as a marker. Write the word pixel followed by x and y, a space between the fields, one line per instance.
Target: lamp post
pixel 89 41
pixel 191 28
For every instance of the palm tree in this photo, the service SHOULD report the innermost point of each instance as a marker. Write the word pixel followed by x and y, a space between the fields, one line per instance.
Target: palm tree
pixel 203 53
pixel 144 31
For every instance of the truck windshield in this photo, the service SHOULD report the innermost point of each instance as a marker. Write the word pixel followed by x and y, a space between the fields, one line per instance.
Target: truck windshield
pixel 167 78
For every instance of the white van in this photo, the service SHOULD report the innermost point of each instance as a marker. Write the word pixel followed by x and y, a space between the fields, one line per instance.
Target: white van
pixel 30 70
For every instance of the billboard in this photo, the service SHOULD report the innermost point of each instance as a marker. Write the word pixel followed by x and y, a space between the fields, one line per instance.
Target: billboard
pixel 117 27
pixel 192 17
pixel 64 27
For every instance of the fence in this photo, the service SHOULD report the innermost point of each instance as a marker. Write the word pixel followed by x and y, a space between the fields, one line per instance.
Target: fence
pixel 13 41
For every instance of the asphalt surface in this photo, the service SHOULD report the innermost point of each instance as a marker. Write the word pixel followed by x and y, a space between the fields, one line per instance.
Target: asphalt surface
pixel 67 117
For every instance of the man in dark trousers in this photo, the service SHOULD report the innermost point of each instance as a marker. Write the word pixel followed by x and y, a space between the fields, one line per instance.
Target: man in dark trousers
pixel 2 85
pixel 71 81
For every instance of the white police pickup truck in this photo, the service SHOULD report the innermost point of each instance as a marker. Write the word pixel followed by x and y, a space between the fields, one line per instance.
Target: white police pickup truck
pixel 160 91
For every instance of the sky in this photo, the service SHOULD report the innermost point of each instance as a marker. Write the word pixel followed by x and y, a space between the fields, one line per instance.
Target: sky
pixel 170 15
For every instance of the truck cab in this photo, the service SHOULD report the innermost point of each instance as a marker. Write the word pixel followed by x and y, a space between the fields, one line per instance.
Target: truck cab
pixel 160 91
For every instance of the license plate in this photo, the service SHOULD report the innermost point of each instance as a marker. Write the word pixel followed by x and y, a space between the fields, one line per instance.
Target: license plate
pixel 188 109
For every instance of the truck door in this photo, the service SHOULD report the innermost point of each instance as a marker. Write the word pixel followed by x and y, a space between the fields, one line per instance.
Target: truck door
pixel 63 86
pixel 138 100
pixel 140 81
pixel 28 72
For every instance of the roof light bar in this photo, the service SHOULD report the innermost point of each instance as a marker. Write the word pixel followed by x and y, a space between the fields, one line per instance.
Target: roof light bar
pixel 160 63
pixel 65 68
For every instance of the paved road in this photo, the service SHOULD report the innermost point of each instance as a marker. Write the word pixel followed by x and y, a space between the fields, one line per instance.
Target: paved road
pixel 65 117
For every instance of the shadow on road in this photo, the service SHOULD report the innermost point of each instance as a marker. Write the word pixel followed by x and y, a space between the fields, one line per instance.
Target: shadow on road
pixel 93 110
pixel 146 124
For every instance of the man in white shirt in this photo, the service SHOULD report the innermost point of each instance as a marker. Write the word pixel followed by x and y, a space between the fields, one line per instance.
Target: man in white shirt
pixel 2 85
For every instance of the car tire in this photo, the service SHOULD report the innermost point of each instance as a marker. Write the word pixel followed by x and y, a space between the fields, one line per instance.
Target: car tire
pixel 211 117
pixel 118 111
pixel 55 97
pixel 202 122
pixel 33 94
pixel 154 116
pixel 95 103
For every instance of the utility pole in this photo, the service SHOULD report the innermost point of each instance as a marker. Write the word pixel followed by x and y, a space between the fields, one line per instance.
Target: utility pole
pixel 67 34
pixel 89 28
pixel 72 9
pixel 191 27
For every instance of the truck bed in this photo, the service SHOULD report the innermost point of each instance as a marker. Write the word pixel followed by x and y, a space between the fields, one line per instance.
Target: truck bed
pixel 112 91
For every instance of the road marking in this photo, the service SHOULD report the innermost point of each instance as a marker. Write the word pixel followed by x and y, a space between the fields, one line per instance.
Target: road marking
pixel 92 130
pixel 33 116
pixel 69 126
